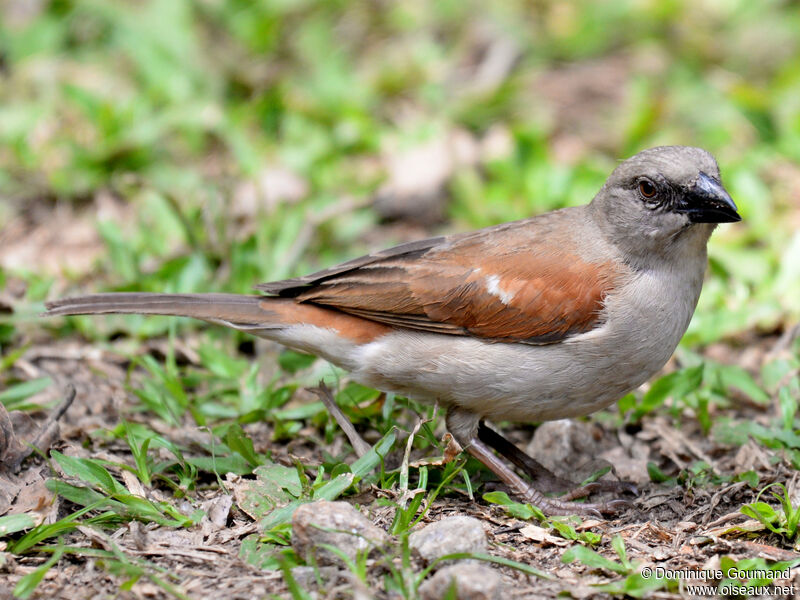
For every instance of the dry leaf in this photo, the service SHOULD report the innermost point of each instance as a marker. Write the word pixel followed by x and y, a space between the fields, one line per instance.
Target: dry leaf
pixel 541 535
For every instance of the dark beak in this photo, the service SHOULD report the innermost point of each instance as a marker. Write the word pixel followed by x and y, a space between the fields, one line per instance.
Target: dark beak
pixel 706 201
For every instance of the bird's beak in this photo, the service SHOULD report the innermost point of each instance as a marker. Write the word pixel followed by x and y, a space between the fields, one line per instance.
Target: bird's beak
pixel 708 202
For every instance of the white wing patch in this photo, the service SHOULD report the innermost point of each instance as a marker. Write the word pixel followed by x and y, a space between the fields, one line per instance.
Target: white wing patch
pixel 493 287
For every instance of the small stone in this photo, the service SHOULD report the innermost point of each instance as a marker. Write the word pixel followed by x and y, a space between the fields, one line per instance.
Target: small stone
pixel 564 445
pixel 337 524
pixel 306 577
pixel 449 536
pixel 661 554
pixel 472 582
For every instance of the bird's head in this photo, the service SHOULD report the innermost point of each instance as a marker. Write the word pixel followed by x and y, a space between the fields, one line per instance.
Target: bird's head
pixel 663 198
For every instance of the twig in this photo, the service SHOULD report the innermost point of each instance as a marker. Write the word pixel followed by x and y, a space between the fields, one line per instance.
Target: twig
pixel 48 432
pixel 406 456
pixel 717 497
pixel 324 393
pixel 732 516
pixel 767 551
pixel 784 342
pixel 8 441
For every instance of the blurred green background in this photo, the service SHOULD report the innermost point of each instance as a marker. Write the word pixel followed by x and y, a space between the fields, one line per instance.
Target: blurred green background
pixel 215 144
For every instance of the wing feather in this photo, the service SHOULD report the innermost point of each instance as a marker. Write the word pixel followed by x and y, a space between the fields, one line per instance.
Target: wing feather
pixel 534 287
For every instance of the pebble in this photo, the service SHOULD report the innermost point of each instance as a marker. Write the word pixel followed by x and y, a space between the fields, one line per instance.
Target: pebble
pixel 472 582
pixel 564 445
pixel 337 524
pixel 449 536
pixel 306 577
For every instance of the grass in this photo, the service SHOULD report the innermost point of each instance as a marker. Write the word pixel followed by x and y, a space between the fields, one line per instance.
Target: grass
pixel 170 126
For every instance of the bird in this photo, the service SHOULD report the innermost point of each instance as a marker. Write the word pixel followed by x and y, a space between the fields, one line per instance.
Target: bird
pixel 550 317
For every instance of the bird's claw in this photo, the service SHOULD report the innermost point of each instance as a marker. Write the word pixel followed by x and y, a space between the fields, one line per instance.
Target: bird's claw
pixel 558 506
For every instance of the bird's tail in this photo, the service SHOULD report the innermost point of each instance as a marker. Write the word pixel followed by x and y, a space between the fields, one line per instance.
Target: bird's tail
pixel 234 310
pixel 326 332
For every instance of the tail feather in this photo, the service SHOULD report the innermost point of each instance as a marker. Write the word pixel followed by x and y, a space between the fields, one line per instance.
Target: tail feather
pixel 326 332
pixel 235 310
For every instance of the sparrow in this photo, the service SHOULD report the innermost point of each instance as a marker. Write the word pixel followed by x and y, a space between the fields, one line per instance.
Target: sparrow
pixel 550 317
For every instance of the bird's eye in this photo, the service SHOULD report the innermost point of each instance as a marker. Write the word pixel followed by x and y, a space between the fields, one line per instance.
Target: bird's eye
pixel 647 189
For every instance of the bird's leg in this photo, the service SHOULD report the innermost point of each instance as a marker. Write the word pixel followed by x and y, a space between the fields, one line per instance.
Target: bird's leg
pixel 464 427
pixel 527 493
pixel 543 477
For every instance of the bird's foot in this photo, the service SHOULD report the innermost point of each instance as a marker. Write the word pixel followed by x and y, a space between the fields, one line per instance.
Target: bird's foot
pixel 564 505
pixel 527 493
pixel 603 485
pixel 543 478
